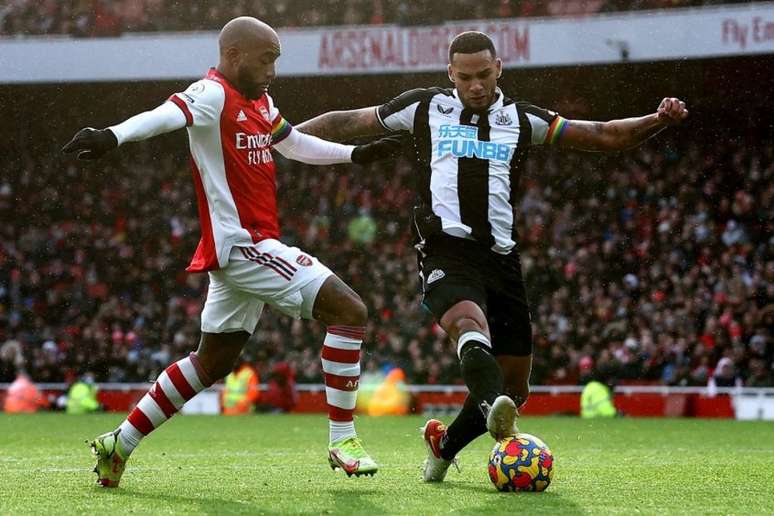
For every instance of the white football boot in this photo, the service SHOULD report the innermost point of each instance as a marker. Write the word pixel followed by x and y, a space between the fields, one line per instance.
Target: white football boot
pixel 501 417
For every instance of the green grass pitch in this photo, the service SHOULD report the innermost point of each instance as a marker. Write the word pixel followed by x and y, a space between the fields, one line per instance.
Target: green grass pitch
pixel 277 465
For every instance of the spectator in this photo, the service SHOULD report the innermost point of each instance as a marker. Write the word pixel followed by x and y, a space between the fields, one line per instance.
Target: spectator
pixel 725 375
pixel 615 265
pixel 94 18
pixel 11 360
pixel 362 229
pixel 82 396
pixel 241 391
pixel 23 396
pixel 597 399
pixel 760 375
pixel 733 234
pixel 390 398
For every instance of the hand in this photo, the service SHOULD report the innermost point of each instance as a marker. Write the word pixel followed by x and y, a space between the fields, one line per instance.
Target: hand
pixel 381 149
pixel 91 144
pixel 671 111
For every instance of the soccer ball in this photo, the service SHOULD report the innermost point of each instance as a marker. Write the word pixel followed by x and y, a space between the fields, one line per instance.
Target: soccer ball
pixel 521 463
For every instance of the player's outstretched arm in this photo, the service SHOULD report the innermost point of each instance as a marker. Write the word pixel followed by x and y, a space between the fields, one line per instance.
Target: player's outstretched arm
pixel 310 149
pixel 341 126
pixel 316 151
pixel 622 134
pixel 91 144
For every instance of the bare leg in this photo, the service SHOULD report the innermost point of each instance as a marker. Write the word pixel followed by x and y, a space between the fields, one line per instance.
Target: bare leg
pixel 467 327
pixel 338 304
pixel 218 352
pixel 516 372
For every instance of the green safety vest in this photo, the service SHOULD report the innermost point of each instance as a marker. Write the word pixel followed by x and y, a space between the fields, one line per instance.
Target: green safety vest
pixel 597 401
pixel 236 387
pixel 82 398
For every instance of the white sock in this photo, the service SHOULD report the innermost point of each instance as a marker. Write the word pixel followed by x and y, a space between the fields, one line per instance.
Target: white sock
pixel 177 384
pixel 341 430
pixel 129 437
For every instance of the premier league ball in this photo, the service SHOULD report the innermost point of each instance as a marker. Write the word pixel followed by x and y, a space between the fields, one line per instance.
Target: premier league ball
pixel 521 463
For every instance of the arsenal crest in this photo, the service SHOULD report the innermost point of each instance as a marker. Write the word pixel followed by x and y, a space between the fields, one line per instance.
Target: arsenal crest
pixel 304 260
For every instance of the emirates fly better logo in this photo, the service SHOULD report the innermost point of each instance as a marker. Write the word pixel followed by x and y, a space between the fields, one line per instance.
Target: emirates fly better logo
pixel 257 147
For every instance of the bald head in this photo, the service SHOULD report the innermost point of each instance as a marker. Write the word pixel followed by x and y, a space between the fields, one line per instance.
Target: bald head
pixel 248 50
pixel 247 33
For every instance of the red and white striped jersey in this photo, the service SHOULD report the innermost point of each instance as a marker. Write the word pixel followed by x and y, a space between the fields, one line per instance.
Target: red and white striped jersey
pixel 230 139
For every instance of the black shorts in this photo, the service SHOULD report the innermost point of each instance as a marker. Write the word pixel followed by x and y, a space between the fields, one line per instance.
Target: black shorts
pixel 454 269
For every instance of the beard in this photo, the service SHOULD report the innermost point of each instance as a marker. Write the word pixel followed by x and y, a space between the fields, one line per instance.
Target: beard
pixel 482 105
pixel 246 85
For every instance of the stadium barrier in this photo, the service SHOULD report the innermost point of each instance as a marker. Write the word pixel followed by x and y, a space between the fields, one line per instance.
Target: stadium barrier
pixel 637 36
pixel 632 400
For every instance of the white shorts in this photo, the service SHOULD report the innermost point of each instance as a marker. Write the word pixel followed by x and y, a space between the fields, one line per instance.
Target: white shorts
pixel 268 272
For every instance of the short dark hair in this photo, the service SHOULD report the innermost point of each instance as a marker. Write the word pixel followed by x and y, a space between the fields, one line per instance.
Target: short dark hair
pixel 471 42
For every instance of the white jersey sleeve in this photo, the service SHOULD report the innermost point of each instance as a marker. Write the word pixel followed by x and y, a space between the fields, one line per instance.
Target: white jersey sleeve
pixel 201 103
pixel 398 114
pixel 546 126
pixel 313 150
pixel 164 119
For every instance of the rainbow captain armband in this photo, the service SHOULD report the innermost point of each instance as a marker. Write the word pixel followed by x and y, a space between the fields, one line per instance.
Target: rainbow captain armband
pixel 280 129
pixel 555 130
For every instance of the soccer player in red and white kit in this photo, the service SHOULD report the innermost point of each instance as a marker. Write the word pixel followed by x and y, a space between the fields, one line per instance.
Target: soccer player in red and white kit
pixel 232 127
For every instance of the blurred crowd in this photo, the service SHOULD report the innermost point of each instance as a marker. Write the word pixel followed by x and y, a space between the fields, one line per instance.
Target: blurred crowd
pixel 99 18
pixel 653 265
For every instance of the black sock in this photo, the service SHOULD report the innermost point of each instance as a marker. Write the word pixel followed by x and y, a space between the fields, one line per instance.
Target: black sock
pixel 484 378
pixel 481 372
pixel 466 427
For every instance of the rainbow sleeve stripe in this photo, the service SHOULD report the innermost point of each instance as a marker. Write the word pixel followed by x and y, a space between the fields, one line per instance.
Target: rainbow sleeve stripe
pixel 555 130
pixel 280 129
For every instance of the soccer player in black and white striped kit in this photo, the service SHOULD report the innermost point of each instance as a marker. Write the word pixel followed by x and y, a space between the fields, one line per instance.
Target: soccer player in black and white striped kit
pixel 470 143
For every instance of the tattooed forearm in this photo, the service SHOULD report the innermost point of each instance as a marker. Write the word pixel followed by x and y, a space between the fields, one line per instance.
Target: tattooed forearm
pixel 327 126
pixel 341 126
pixel 612 135
pixel 640 133
pixel 597 127
pixel 631 132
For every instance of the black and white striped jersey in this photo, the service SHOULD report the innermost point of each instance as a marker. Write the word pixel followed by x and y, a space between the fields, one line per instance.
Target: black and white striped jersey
pixel 469 162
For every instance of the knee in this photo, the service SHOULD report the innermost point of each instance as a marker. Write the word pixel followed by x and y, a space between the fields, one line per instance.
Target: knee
pixel 470 337
pixel 463 317
pixel 464 324
pixel 359 312
pixel 353 312
pixel 337 304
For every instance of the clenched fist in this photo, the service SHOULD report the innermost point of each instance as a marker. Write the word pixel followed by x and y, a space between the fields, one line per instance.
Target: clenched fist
pixel 671 111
